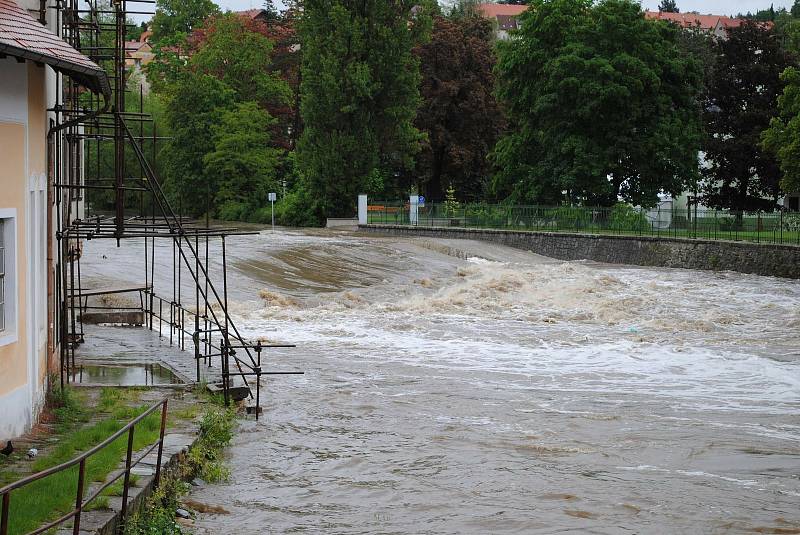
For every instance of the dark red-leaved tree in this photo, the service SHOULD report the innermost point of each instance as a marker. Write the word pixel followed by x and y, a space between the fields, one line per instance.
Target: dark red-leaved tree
pixel 459 113
pixel 742 98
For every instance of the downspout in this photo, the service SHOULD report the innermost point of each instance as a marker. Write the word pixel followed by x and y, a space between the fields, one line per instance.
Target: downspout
pixel 62 250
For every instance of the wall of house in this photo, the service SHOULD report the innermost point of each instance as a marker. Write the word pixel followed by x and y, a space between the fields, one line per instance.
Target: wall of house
pixel 23 349
pixel 744 257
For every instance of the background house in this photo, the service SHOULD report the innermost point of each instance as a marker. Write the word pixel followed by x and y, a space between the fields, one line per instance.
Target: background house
pixel 718 25
pixel 504 16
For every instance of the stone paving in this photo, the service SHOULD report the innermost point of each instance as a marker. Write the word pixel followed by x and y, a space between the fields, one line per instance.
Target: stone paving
pixel 121 346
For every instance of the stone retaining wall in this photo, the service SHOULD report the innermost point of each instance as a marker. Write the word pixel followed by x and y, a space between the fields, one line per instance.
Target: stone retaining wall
pixel 744 257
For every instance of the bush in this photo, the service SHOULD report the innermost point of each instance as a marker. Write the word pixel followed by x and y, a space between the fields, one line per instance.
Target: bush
pixel 791 223
pixel 298 208
pixel 484 215
pixel 730 224
pixel 571 217
pixel 626 217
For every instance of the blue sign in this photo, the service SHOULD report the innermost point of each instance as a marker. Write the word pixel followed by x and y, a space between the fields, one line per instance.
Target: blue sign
pixel 421 200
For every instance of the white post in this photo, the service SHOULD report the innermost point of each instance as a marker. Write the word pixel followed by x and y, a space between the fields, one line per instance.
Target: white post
pixel 272 197
pixel 413 209
pixel 362 209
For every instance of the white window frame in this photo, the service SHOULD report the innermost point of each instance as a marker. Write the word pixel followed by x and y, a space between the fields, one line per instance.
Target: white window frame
pixel 10 334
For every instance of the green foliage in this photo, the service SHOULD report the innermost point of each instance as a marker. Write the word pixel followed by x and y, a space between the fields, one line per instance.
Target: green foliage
pixel 782 138
pixel 299 208
pixel 241 162
pixel 158 516
pixel 220 160
pixel 626 217
pixel 570 217
pixel 174 20
pixel 216 428
pixel 742 99
pixel 197 102
pixel 359 95
pixel 483 215
pixel 451 204
pixel 668 6
pixel 52 496
pixel 603 105
pixel 242 60
pixel 68 407
pixel 791 223
pixel 730 224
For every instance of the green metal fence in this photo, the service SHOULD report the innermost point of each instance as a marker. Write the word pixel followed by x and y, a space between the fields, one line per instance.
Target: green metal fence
pixel 763 227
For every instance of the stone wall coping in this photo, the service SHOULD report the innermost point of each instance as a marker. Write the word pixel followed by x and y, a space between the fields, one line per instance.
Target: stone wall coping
pixel 631 237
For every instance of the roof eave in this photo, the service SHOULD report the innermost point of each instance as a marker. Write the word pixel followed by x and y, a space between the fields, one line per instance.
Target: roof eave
pixel 96 80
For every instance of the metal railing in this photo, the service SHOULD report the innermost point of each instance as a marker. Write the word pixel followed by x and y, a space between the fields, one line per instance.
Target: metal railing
pixel 80 502
pixel 779 227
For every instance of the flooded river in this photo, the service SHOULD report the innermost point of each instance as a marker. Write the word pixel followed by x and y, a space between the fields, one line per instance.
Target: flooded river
pixel 461 387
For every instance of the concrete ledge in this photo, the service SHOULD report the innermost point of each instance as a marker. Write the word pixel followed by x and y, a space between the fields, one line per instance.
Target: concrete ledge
pixel 350 222
pixel 119 317
pixel 714 255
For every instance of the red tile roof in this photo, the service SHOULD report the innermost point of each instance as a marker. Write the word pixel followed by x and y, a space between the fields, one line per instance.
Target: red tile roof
pixel 491 11
pixel 24 37
pixel 252 13
pixel 704 22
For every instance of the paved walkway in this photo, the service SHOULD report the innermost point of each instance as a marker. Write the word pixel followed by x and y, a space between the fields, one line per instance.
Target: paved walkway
pixel 125 346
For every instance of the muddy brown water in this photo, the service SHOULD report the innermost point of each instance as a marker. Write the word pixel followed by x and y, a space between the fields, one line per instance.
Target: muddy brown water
pixel 506 393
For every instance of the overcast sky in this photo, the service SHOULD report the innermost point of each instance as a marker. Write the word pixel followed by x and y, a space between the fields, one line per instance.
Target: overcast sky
pixel 717 7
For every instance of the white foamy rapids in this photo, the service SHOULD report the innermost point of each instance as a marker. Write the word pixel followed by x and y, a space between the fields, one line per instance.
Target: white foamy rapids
pixel 572 326
pixel 576 294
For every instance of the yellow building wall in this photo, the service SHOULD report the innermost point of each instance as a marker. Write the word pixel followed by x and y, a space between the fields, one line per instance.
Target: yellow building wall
pixel 23 165
pixel 37 165
pixel 13 185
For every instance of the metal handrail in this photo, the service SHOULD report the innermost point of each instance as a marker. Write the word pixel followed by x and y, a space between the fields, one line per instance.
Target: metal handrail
pixel 80 460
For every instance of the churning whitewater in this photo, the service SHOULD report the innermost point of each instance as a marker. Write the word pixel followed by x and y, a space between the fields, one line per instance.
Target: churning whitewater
pixel 463 387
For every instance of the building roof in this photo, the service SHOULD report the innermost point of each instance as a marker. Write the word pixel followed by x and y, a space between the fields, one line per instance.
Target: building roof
pixel 253 13
pixel 24 37
pixel 696 20
pixel 491 11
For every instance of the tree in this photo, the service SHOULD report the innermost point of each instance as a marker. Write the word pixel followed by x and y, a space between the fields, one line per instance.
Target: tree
pixel 359 96
pixel 229 77
pixel 196 103
pixel 668 6
pixel 782 138
pixel 172 24
pixel 796 9
pixel 266 53
pixel 241 58
pixel 459 114
pixel 741 100
pixel 174 20
pixel 241 162
pixel 603 105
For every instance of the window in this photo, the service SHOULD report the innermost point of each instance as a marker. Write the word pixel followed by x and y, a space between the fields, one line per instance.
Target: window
pixel 8 288
pixel 2 277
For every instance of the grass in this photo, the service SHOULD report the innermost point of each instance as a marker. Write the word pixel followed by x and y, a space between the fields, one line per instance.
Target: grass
pixel 54 495
pixel 204 460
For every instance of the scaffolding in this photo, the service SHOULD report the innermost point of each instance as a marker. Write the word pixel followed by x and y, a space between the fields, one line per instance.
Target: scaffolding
pixel 84 123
